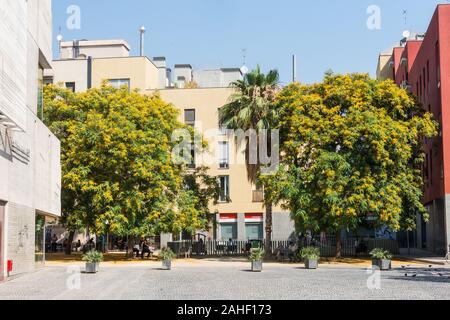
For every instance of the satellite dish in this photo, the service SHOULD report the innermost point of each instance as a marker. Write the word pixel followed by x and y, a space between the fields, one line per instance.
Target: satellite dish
pixel 244 70
pixel 406 34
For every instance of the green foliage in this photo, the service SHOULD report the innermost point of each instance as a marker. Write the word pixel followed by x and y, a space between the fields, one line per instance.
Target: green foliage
pixel 381 254
pixel 352 149
pixel 309 253
pixel 117 170
pixel 257 254
pixel 93 257
pixel 167 254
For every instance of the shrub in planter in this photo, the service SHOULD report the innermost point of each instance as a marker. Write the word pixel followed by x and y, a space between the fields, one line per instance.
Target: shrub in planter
pixel 92 259
pixel 310 256
pixel 166 257
pixel 256 257
pixel 381 258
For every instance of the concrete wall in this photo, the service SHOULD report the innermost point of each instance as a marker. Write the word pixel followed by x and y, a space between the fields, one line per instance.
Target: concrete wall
pixel 142 73
pixel 96 49
pixel 13 60
pixel 30 174
pixel 71 71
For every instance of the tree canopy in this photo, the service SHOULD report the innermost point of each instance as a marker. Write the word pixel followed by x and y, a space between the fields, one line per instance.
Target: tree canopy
pixel 117 170
pixel 352 153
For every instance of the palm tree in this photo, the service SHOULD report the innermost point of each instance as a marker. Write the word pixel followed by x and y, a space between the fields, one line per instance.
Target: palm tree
pixel 252 107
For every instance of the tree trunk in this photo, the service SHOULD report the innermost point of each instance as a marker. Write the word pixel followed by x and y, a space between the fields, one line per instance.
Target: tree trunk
pixel 338 245
pixel 68 248
pixel 129 248
pixel 269 222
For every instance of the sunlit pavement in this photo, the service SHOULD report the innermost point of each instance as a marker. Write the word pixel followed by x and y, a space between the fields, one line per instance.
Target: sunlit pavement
pixel 200 280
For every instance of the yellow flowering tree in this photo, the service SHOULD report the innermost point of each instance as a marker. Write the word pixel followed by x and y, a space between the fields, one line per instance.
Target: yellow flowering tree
pixel 117 170
pixel 352 153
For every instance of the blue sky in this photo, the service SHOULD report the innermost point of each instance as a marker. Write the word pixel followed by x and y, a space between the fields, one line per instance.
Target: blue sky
pixel 323 34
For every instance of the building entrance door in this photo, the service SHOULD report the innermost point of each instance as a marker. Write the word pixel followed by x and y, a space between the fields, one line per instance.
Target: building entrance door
pixel 2 240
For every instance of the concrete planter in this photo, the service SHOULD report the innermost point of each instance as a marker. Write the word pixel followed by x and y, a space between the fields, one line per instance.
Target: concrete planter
pixel 92 267
pixel 167 265
pixel 257 266
pixel 382 264
pixel 311 263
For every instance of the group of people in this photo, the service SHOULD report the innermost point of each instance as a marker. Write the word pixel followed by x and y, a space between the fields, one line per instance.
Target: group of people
pixel 291 252
pixel 142 248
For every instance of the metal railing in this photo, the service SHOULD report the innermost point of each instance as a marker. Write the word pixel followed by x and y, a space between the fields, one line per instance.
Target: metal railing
pixel 350 247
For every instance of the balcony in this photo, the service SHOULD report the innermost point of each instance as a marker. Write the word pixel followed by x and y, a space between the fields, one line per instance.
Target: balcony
pixel 258 196
pixel 405 85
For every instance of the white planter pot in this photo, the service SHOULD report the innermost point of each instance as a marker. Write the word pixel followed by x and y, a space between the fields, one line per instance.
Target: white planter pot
pixel 92 267
pixel 257 266
pixel 167 265
pixel 311 264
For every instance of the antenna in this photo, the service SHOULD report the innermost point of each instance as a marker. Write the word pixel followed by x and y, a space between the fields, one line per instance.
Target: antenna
pixel 59 38
pixel 405 16
pixel 244 69
pixel 142 33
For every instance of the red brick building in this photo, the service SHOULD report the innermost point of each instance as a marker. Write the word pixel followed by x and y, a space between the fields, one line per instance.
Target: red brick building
pixel 421 64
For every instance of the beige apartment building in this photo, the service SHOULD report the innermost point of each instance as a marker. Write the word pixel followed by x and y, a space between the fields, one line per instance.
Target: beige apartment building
pixel 240 214
pixel 30 173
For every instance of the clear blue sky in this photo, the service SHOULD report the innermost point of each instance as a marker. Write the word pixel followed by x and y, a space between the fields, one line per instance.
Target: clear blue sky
pixel 212 33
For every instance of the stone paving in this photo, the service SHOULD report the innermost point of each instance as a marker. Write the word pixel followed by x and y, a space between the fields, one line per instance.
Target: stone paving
pixel 226 280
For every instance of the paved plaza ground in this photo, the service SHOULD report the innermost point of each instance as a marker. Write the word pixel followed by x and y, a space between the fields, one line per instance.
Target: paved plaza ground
pixel 218 280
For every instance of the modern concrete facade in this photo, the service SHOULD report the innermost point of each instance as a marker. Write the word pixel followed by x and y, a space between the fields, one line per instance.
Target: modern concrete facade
pixel 30 176
pixel 421 64
pixel 243 216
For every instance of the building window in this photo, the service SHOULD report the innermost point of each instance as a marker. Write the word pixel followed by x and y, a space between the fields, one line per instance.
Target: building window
pixel 71 86
pixel 224 182
pixel 119 83
pixel 189 117
pixel 40 94
pixel 228 226
pixel 224 155
pixel 438 65
pixel 254 226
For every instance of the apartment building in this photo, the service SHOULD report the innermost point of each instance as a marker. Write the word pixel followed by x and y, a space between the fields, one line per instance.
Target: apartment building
pixel 30 176
pixel 421 64
pixel 240 214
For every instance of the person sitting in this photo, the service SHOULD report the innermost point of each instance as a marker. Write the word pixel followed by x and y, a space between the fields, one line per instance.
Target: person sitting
pixel 146 250
pixel 293 248
pixel 136 250
pixel 279 253
pixel 78 245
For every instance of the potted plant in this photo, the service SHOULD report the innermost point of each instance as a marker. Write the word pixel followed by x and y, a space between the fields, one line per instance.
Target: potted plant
pixel 92 259
pixel 310 256
pixel 166 257
pixel 256 257
pixel 381 258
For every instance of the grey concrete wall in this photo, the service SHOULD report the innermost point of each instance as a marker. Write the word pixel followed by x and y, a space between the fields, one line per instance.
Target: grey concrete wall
pixel 20 231
pixel 436 227
pixel 283 226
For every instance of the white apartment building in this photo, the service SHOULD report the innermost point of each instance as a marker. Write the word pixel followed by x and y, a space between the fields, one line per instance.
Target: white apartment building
pixel 30 174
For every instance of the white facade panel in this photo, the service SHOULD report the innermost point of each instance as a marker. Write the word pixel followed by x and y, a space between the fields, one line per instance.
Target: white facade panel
pixel 13 53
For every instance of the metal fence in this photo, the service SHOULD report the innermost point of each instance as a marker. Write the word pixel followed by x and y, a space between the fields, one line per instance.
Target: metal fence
pixel 350 247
